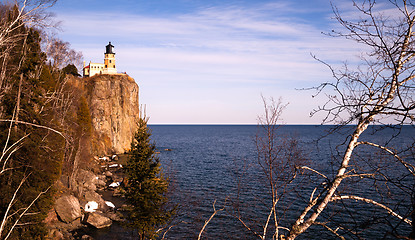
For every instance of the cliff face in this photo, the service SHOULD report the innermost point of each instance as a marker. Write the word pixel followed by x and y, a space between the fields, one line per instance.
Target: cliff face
pixel 114 109
pixel 111 102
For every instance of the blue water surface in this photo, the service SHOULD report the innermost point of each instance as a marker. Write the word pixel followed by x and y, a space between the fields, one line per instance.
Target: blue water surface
pixel 210 164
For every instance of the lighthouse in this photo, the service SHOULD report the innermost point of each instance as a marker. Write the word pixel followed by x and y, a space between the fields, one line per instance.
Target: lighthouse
pixel 108 67
pixel 109 60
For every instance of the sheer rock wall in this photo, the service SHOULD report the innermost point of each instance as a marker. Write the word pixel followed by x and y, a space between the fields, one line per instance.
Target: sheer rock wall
pixel 114 108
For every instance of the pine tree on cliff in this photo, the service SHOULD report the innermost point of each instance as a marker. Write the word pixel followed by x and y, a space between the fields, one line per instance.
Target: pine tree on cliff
pixel 147 188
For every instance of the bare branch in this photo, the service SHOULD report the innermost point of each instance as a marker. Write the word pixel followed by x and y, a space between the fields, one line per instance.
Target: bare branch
pixel 6 213
pixel 34 125
pixel 312 170
pixel 381 88
pixel 25 211
pixel 334 231
pixel 409 167
pixel 210 218
pixel 370 201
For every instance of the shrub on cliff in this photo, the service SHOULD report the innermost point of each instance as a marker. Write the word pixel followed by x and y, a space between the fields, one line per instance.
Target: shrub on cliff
pixel 147 187
pixel 71 69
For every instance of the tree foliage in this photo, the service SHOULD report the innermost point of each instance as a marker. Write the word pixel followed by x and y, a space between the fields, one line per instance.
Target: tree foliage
pixel 34 109
pixel 71 69
pixel 147 187
pixel 39 156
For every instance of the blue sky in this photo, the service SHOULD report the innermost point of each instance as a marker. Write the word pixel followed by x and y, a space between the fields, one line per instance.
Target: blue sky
pixel 209 62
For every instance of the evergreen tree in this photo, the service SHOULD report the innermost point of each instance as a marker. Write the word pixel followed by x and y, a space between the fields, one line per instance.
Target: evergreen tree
pixel 147 188
pixel 40 103
pixel 71 69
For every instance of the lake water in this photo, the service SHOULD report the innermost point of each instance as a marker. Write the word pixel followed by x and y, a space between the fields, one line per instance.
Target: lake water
pixel 217 164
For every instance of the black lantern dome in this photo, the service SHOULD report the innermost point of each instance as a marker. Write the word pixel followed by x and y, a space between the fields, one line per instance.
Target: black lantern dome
pixel 109 49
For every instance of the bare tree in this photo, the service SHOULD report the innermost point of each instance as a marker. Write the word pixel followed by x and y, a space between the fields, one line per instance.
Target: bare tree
pixel 379 92
pixel 276 169
pixel 279 158
pixel 60 54
pixel 13 16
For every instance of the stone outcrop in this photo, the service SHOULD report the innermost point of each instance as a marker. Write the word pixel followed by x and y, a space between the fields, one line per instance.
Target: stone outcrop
pixel 68 208
pixel 114 109
pixel 86 179
pixel 97 220
pixel 71 212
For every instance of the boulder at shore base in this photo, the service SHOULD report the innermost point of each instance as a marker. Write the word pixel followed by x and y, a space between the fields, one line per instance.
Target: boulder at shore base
pixel 97 220
pixel 68 208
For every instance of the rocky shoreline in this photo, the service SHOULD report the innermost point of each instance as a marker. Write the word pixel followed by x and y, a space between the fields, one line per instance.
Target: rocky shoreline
pixel 91 201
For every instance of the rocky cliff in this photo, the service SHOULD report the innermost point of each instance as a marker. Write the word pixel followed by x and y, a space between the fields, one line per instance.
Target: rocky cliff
pixel 87 193
pixel 114 108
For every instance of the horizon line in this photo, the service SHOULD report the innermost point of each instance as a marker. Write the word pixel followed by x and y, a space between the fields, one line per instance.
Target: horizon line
pixel 234 124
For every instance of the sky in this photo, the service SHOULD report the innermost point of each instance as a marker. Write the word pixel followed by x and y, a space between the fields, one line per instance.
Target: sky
pixel 210 61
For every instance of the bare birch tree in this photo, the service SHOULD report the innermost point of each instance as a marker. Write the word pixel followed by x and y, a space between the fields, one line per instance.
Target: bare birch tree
pixel 13 16
pixel 60 54
pixel 277 172
pixel 279 159
pixel 380 91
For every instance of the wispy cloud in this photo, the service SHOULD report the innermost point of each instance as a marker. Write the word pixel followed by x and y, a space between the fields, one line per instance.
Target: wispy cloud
pixel 229 54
